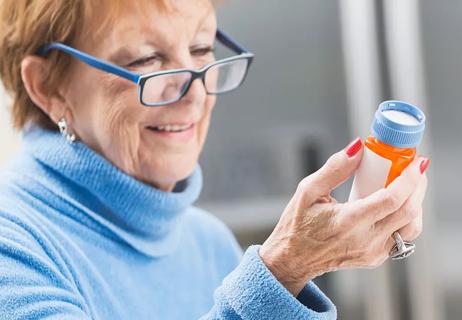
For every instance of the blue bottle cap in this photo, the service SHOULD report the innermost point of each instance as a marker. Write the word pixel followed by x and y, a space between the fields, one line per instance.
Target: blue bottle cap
pixel 398 124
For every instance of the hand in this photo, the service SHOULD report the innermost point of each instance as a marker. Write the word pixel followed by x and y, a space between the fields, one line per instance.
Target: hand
pixel 315 234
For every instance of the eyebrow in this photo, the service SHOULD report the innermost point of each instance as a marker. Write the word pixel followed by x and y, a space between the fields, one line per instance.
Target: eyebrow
pixel 125 54
pixel 121 55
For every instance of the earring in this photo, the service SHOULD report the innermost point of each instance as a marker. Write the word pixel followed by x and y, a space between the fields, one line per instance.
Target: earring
pixel 62 125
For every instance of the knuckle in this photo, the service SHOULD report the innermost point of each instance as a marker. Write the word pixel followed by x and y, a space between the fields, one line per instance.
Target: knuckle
pixel 416 229
pixel 392 201
pixel 333 165
pixel 417 233
pixel 344 221
pixel 362 262
pixel 304 184
pixel 412 230
pixel 379 261
pixel 374 262
pixel 371 257
pixel 379 228
pixel 347 219
pixel 413 211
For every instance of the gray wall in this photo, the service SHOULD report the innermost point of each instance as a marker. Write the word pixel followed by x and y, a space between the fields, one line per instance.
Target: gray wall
pixel 293 101
pixel 441 27
pixel 442 47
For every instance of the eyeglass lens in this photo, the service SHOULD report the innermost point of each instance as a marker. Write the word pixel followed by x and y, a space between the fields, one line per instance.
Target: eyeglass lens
pixel 219 78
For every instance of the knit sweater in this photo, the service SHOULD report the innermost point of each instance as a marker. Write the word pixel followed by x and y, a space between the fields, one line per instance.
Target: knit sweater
pixel 80 239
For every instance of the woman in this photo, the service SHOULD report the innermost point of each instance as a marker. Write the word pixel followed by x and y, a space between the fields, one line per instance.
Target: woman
pixel 96 212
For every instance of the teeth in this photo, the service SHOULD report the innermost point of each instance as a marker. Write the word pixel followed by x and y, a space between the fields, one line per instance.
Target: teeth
pixel 173 127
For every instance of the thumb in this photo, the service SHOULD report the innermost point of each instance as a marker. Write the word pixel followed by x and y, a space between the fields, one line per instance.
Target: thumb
pixel 337 169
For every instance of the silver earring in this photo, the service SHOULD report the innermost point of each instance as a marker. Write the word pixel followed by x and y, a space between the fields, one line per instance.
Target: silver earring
pixel 62 125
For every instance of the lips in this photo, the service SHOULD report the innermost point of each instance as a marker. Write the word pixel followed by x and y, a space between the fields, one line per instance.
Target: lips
pixel 174 132
pixel 171 127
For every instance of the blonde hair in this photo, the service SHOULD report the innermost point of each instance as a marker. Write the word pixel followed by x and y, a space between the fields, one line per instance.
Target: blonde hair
pixel 26 25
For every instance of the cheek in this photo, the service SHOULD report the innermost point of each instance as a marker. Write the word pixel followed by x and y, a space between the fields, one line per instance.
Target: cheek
pixel 205 122
pixel 99 103
pixel 209 106
pixel 118 100
pixel 116 124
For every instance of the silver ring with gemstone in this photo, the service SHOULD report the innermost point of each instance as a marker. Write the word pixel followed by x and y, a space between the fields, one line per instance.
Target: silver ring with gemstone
pixel 402 249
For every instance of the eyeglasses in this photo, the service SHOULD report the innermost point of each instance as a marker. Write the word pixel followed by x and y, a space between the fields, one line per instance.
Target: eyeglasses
pixel 169 86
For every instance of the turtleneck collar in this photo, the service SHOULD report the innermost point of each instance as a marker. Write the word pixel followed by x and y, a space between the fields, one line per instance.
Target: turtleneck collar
pixel 144 217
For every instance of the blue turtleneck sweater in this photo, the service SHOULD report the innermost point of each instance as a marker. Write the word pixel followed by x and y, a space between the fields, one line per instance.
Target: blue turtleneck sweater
pixel 80 239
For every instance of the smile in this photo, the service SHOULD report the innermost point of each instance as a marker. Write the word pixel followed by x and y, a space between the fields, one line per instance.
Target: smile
pixel 172 132
pixel 171 127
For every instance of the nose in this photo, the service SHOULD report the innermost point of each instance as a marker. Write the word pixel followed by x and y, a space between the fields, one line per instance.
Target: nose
pixel 196 92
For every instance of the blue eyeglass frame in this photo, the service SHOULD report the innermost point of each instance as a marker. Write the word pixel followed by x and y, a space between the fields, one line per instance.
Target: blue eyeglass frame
pixel 140 79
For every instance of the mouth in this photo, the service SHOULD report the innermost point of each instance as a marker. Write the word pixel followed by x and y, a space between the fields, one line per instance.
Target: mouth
pixel 181 132
pixel 171 127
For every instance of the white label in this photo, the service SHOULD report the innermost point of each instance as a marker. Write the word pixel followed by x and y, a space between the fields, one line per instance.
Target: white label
pixel 371 175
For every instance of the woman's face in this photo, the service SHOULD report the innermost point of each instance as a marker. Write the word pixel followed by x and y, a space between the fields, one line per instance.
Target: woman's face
pixel 105 111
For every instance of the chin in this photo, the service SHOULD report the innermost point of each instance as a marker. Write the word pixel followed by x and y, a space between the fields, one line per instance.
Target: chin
pixel 165 175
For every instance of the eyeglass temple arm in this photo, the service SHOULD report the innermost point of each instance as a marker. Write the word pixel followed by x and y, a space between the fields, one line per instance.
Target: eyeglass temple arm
pixel 90 60
pixel 229 42
pixel 114 69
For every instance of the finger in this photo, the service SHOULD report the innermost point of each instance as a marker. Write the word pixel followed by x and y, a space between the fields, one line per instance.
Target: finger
pixel 408 233
pixel 412 230
pixel 411 210
pixel 390 244
pixel 338 168
pixel 385 201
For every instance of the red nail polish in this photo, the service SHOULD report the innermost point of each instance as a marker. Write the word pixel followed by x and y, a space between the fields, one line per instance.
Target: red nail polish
pixel 353 147
pixel 424 165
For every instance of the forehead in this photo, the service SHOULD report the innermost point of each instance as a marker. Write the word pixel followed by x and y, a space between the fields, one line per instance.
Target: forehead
pixel 112 23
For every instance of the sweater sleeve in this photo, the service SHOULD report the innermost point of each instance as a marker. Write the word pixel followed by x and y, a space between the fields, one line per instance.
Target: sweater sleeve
pixel 31 286
pixel 252 292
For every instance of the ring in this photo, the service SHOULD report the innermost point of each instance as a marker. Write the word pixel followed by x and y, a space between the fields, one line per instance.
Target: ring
pixel 402 249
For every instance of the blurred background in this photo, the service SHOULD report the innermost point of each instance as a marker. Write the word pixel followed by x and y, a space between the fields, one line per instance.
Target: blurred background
pixel 321 69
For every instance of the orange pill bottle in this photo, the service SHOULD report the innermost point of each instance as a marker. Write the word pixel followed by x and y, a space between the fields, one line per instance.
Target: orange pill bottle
pixel 397 130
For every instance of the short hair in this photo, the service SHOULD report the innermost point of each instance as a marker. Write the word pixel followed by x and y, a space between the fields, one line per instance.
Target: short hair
pixel 27 25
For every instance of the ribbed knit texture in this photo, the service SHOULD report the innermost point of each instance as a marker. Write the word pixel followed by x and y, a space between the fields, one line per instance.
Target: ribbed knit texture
pixel 80 239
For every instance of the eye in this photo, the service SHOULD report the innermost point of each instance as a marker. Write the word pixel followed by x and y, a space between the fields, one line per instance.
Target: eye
pixel 144 61
pixel 202 51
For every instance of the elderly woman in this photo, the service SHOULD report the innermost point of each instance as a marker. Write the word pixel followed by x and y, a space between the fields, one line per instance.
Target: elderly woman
pixel 114 99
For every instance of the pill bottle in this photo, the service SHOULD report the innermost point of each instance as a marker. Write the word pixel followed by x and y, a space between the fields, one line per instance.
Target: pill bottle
pixel 397 129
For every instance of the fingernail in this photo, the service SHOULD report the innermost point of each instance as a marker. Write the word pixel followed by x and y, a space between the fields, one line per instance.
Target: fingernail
pixel 353 147
pixel 424 165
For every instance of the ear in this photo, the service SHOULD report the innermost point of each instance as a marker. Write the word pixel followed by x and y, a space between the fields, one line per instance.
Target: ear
pixel 34 71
